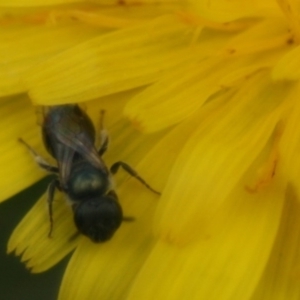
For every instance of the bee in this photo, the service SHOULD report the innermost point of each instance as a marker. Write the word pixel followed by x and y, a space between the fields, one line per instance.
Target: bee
pixel 69 136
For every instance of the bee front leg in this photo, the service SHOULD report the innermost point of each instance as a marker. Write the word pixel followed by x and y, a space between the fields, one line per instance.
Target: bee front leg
pixel 115 167
pixel 54 184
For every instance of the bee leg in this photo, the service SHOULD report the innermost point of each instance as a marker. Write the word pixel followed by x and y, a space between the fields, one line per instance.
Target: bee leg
pixel 104 140
pixel 38 159
pixel 115 167
pixel 54 184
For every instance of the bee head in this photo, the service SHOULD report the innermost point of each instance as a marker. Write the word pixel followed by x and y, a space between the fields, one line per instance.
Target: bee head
pixel 97 218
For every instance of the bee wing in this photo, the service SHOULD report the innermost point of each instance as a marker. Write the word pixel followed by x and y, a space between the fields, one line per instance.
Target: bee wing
pixel 64 159
pixel 72 129
pixel 82 144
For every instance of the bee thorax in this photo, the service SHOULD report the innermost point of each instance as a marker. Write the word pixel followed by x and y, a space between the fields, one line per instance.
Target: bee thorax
pixel 84 184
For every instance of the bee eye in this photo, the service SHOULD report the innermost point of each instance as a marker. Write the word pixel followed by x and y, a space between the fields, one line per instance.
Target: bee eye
pixel 98 219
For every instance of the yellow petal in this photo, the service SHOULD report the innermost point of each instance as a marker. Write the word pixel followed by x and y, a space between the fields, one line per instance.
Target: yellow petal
pixel 290 142
pixel 117 16
pixel 288 67
pixel 217 155
pixel 119 260
pixel 25 36
pixel 22 3
pixel 25 3
pixel 116 265
pixel 265 35
pixel 254 63
pixel 224 11
pixel 114 62
pixel 30 238
pixel 160 105
pixel 290 8
pixel 226 262
pixel 112 105
pixel 18 169
pixel 125 143
pixel 280 280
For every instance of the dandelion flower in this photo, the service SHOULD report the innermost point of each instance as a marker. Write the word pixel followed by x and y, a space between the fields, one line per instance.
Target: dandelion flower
pixel 211 89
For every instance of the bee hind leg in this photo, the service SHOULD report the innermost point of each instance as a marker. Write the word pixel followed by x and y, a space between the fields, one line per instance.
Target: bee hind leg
pixel 115 167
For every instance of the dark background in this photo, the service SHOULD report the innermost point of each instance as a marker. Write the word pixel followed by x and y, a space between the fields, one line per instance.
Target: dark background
pixel 16 283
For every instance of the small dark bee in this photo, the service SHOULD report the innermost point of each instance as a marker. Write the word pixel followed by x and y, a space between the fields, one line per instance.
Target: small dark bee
pixel 69 136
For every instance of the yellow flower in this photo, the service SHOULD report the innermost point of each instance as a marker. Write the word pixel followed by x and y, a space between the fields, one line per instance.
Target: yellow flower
pixel 213 87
